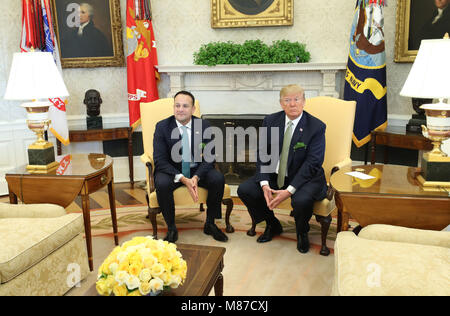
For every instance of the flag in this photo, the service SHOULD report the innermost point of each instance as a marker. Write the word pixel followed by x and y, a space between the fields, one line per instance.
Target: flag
pixel 38 35
pixel 365 79
pixel 142 58
pixel 57 113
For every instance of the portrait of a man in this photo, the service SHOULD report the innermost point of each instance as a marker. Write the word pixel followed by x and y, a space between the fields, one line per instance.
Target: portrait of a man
pixel 84 28
pixel 429 19
pixel 251 7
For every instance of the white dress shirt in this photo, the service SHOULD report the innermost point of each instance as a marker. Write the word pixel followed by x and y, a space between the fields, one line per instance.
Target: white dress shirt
pixel 290 188
pixel 81 28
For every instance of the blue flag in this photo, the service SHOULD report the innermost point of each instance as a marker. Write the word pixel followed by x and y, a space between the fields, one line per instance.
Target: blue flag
pixel 365 79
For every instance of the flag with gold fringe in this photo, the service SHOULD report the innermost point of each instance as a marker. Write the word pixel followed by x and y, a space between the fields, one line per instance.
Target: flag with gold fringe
pixel 365 79
pixel 38 35
pixel 142 59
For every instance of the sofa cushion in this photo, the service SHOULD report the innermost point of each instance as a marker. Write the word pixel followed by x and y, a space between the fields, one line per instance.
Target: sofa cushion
pixel 372 267
pixel 26 241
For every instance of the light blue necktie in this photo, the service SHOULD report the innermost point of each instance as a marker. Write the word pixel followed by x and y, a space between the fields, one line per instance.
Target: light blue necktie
pixel 186 156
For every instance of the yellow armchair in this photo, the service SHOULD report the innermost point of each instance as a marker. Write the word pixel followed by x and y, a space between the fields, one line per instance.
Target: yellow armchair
pixel 151 114
pixel 339 117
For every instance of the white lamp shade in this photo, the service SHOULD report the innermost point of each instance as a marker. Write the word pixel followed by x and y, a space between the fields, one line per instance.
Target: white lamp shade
pixel 430 74
pixel 34 76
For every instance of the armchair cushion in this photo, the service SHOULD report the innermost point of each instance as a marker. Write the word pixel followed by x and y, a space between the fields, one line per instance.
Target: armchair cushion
pixel 24 242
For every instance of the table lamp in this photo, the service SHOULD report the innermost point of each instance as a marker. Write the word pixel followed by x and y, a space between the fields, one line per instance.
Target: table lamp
pixel 34 77
pixel 430 78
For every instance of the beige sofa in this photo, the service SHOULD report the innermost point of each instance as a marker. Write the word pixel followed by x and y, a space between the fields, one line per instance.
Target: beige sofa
pixel 390 260
pixel 42 250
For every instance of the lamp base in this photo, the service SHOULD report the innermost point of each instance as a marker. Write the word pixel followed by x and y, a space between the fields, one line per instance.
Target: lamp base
pixel 41 160
pixel 43 169
pixel 435 169
pixel 432 185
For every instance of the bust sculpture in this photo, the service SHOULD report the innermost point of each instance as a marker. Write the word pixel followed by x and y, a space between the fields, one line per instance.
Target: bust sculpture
pixel 92 100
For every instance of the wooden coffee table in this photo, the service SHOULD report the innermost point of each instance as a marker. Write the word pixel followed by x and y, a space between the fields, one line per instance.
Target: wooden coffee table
pixel 80 174
pixel 205 265
pixel 394 197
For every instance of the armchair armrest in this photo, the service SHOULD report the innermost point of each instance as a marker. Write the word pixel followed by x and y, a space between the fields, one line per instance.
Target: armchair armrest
pixel 148 161
pixel 31 210
pixel 406 235
pixel 345 163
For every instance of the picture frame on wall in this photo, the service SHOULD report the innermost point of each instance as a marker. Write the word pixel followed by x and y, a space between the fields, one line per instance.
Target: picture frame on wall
pixel 251 13
pixel 418 20
pixel 89 33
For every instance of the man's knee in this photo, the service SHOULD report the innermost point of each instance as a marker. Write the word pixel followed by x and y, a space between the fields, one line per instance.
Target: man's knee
pixel 247 189
pixel 302 202
pixel 163 181
pixel 215 178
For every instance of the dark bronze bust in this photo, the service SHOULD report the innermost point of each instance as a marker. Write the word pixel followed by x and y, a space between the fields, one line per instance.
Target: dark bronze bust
pixel 93 101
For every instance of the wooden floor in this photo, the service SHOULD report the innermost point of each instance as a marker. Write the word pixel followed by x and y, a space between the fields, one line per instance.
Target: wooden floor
pixel 126 194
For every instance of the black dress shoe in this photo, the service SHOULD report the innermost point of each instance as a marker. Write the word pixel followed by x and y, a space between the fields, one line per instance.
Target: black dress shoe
pixel 212 229
pixel 172 236
pixel 270 232
pixel 303 243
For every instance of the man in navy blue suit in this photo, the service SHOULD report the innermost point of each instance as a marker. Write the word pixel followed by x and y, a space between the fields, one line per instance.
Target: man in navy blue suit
pixel 297 174
pixel 184 133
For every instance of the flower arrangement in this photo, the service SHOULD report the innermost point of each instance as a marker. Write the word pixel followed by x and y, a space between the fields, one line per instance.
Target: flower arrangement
pixel 142 266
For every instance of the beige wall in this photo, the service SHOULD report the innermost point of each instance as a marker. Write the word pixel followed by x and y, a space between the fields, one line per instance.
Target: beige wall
pixel 181 26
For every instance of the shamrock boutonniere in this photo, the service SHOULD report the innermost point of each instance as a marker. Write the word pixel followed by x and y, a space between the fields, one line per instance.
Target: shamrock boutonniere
pixel 201 146
pixel 299 145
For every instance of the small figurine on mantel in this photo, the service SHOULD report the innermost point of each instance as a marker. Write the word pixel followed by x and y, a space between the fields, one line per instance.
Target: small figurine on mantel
pixel 93 101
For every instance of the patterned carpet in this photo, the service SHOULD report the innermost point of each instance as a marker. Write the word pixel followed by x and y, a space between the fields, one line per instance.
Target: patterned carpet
pixel 133 219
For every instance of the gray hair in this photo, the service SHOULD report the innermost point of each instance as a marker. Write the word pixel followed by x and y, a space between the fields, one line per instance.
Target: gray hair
pixel 89 8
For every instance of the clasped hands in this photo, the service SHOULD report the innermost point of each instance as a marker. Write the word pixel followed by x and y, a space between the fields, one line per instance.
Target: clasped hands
pixel 192 185
pixel 274 197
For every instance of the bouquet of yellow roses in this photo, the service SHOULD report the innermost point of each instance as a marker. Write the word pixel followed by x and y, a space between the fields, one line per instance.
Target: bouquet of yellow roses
pixel 142 266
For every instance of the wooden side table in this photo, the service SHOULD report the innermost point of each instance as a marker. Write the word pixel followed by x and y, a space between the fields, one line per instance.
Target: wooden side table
pixel 400 138
pixel 393 197
pixel 92 135
pixel 82 175
pixel 205 265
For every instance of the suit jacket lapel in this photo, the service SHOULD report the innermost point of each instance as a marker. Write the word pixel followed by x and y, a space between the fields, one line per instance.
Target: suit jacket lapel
pixel 282 124
pixel 173 126
pixel 296 137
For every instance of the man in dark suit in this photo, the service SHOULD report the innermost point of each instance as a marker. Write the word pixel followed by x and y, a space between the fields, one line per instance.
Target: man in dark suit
pixel 183 133
pixel 86 40
pixel 297 174
pixel 437 25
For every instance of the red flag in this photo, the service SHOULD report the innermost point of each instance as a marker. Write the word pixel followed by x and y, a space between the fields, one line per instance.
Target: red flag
pixel 141 60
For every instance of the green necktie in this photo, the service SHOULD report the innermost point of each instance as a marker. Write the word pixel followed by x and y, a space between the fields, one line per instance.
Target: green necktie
pixel 186 154
pixel 284 155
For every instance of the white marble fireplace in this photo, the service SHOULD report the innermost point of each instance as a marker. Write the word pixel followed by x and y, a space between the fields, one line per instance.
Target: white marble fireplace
pixel 252 89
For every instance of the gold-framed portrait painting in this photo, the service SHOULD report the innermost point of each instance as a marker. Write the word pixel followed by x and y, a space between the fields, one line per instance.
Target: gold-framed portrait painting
pixel 89 33
pixel 251 13
pixel 418 20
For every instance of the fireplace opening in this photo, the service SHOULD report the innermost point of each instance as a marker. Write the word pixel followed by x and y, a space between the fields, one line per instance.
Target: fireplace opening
pixel 243 165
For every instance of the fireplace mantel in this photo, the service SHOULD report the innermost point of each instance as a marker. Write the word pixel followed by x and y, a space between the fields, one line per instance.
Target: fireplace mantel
pixel 252 88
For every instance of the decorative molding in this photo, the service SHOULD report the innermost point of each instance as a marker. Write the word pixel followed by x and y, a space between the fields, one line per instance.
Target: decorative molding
pixel 255 85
